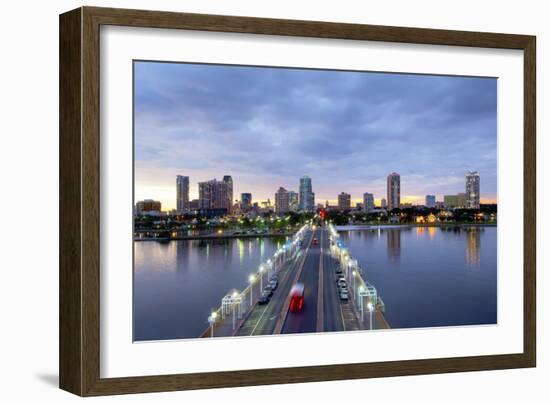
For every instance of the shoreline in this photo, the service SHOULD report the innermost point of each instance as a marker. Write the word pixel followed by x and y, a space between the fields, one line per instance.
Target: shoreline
pixel 411 225
pixel 213 237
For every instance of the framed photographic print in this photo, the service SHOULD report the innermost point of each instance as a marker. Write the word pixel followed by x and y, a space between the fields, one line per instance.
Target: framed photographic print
pixel 250 201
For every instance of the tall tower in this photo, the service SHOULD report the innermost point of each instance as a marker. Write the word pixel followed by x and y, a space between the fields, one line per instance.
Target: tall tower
pixel 368 202
pixel 394 191
pixel 472 190
pixel 228 180
pixel 430 201
pixel 344 201
pixel 306 195
pixel 182 194
pixel 282 204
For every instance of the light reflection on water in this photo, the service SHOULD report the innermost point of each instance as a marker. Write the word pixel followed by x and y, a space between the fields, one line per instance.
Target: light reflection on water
pixel 429 276
pixel 176 284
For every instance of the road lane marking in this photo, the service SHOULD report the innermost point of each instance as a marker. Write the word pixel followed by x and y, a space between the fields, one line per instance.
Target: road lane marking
pixel 259 320
pixel 338 296
pixel 284 311
pixel 320 301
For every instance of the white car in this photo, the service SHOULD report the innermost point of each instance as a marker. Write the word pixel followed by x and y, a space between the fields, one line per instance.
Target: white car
pixel 343 295
pixel 342 282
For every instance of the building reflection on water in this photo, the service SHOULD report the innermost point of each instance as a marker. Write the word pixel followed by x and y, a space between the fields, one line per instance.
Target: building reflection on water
pixel 473 247
pixel 393 241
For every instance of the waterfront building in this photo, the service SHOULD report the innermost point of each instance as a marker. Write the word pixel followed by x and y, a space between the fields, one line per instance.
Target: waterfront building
pixel 450 201
pixel 430 201
pixel 148 206
pixel 194 204
pixel 228 180
pixel 368 202
pixel 344 201
pixel 293 200
pixel 182 194
pixel 394 190
pixel 214 194
pixel 454 201
pixel 472 190
pixel 282 204
pixel 461 200
pixel 246 202
pixel 306 195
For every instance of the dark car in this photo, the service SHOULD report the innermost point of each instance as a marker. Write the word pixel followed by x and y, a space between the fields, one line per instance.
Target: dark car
pixel 273 283
pixel 315 241
pixel 264 299
pixel 268 290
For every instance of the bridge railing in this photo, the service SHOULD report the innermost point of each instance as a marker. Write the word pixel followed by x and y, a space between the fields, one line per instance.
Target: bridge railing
pixel 363 294
pixel 236 304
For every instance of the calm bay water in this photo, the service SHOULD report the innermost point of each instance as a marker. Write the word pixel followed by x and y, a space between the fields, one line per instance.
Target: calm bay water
pixel 426 276
pixel 177 284
pixel 430 276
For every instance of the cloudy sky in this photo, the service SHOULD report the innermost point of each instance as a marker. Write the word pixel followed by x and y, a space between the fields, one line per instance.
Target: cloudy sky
pixel 266 127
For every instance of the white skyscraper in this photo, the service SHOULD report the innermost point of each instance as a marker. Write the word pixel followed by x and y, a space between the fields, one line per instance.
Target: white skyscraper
pixel 472 190
pixel 182 194
pixel 282 204
pixel 368 202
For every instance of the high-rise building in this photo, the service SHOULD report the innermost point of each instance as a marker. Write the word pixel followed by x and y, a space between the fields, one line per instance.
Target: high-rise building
pixel 368 202
pixel 182 194
pixel 246 201
pixel 306 195
pixel 472 190
pixel 461 200
pixel 394 191
pixel 213 194
pixel 454 201
pixel 293 200
pixel 383 203
pixel 228 180
pixel 344 201
pixel 430 201
pixel 450 201
pixel 282 204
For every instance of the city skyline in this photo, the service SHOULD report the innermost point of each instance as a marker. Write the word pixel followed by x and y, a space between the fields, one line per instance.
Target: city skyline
pixel 346 130
pixel 284 200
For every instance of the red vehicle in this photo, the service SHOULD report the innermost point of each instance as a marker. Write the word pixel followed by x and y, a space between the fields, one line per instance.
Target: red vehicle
pixel 297 297
pixel 315 241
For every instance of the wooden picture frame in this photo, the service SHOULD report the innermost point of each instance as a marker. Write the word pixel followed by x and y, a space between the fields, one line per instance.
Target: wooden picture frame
pixel 79 346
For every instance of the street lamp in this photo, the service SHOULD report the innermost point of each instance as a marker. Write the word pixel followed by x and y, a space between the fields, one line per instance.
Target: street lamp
pixel 261 278
pixel 251 279
pixel 234 297
pixel 212 320
pixel 360 296
pixel 370 307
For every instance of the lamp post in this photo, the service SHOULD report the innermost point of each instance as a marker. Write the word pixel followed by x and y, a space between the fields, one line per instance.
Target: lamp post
pixel 361 304
pixel 212 320
pixel 233 306
pixel 261 269
pixel 370 307
pixel 251 279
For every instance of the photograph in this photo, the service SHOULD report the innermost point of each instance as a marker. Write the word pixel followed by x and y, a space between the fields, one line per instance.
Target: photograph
pixel 273 200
